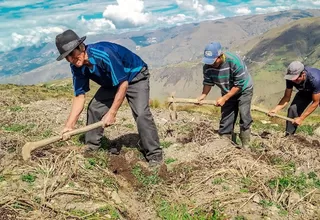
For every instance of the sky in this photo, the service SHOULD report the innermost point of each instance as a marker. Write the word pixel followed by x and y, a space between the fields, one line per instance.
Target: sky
pixel 30 22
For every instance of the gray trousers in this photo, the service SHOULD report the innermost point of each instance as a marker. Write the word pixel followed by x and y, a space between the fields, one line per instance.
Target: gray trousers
pixel 297 107
pixel 138 100
pixel 240 103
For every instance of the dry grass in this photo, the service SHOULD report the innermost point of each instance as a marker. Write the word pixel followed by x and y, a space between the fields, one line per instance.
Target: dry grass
pixel 207 177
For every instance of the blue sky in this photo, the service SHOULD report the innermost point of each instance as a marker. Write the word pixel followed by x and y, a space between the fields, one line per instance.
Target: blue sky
pixel 29 22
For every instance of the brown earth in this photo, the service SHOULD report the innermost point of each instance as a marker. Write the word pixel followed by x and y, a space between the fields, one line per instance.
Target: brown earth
pixel 204 176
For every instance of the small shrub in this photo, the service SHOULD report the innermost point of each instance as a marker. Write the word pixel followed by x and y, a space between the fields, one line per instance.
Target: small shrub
pixel 170 160
pixel 165 144
pixel 143 178
pixel 29 178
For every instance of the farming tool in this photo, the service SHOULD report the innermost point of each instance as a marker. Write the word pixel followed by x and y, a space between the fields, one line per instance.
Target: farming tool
pixel 31 146
pixel 173 101
pixel 173 107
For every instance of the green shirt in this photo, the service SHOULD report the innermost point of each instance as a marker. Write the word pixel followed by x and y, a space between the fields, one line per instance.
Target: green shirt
pixel 232 73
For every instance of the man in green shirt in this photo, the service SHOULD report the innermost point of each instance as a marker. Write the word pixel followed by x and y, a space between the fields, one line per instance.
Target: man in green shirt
pixel 230 74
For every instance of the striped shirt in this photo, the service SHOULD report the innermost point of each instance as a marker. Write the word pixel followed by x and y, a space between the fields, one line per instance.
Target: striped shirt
pixel 112 64
pixel 232 73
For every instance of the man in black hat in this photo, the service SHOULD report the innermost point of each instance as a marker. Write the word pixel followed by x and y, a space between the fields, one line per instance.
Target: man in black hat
pixel 307 81
pixel 121 73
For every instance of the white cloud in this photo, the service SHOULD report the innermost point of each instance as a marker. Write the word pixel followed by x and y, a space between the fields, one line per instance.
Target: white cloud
pixel 243 11
pixel 45 19
pixel 127 13
pixel 271 9
pixel 199 6
pixel 34 36
pixel 96 26
pixel 179 2
pixel 175 19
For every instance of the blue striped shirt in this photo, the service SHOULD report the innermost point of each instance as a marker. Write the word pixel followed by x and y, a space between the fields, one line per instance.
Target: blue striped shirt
pixel 112 64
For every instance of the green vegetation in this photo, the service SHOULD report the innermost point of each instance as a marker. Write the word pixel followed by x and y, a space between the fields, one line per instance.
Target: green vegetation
pixel 170 160
pixel 29 178
pixel 131 126
pixel 107 212
pixel 299 183
pixel 307 129
pixel 155 103
pixel 143 178
pixel 240 218
pixel 29 93
pixel 165 144
pixel 99 159
pixel 15 108
pixel 217 181
pixel 15 127
pixel 171 211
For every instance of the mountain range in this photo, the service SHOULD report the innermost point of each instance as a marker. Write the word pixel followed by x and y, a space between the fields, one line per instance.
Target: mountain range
pixel 268 43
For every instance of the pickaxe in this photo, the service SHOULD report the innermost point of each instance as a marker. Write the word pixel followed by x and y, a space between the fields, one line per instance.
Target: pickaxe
pixel 31 146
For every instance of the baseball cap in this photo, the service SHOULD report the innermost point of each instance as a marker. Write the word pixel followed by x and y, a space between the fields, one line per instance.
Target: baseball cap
pixel 212 52
pixel 294 70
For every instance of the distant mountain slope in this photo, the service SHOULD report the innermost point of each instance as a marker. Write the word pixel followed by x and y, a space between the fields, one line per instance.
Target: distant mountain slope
pixel 158 48
pixel 271 53
pixel 267 57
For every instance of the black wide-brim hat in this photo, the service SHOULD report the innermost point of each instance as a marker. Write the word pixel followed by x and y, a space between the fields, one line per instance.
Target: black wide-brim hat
pixel 66 42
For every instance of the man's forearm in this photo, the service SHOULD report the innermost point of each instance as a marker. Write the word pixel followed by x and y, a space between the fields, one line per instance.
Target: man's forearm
pixel 206 89
pixel 76 109
pixel 118 99
pixel 232 92
pixel 283 102
pixel 309 110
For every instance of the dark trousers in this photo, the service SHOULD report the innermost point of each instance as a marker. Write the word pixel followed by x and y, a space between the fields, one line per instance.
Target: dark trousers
pixel 297 107
pixel 138 99
pixel 240 103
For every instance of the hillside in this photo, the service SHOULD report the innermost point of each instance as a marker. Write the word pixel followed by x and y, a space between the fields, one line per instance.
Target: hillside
pixel 267 57
pixel 30 65
pixel 272 52
pixel 204 177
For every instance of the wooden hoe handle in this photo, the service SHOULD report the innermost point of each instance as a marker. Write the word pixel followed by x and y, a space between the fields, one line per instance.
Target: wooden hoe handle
pixel 256 108
pixel 191 101
pixel 30 146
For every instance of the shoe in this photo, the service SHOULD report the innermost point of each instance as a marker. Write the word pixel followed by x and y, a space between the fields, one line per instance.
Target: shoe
pixel 155 161
pixel 114 150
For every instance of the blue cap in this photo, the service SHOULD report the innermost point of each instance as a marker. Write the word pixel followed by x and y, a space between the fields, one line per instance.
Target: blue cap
pixel 211 52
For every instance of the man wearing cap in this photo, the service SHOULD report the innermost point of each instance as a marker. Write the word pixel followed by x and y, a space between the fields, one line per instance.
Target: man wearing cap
pixel 120 73
pixel 307 81
pixel 230 74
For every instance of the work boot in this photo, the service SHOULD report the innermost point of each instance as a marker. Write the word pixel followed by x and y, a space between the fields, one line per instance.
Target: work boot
pixel 245 138
pixel 155 161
